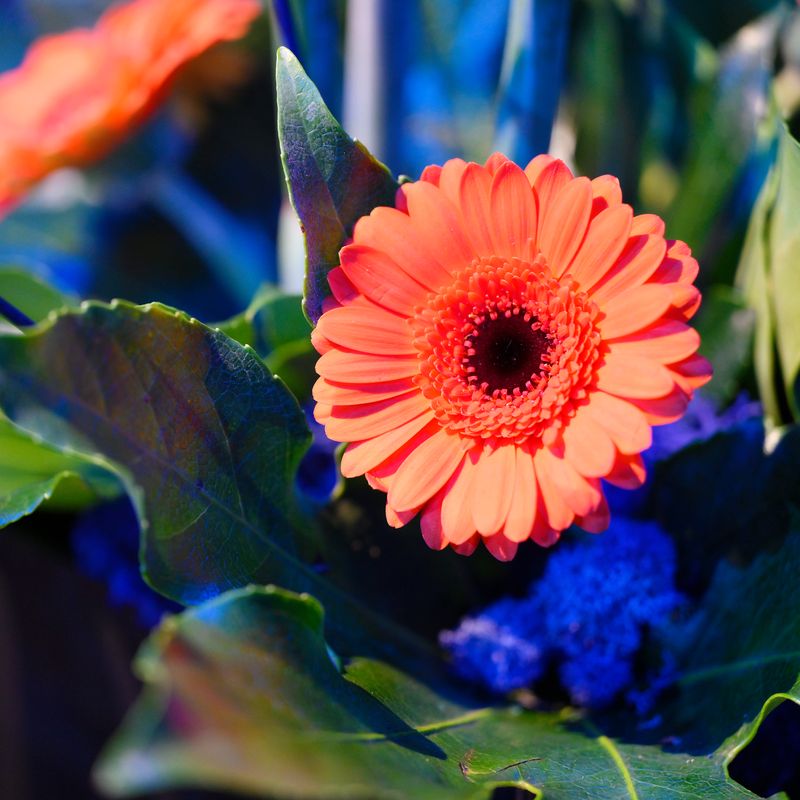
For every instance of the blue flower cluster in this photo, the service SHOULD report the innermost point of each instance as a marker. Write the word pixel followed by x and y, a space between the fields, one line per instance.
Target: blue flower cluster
pixel 585 615
pixel 105 541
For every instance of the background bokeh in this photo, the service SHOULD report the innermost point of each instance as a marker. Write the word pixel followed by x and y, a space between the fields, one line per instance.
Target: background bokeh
pixel 677 98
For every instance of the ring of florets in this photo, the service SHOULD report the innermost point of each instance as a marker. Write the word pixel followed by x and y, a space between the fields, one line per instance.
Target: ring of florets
pixel 506 350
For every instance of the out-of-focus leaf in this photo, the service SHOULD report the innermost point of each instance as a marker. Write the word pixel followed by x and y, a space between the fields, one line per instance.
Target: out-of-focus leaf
pixel 769 274
pixel 725 325
pixel 726 119
pixel 740 649
pixel 717 20
pixel 273 319
pixel 727 497
pixel 332 179
pixel 206 442
pixel 32 472
pixel 530 83
pixel 29 293
pixel 244 695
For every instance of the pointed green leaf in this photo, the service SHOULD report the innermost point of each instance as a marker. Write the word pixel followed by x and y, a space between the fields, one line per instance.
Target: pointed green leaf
pixel 244 695
pixel 769 274
pixel 333 180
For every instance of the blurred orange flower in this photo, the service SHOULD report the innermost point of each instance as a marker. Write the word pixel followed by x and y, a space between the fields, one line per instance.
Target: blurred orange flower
pixel 498 344
pixel 77 94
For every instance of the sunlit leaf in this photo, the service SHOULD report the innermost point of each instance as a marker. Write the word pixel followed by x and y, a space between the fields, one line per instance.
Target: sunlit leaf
pixel 333 180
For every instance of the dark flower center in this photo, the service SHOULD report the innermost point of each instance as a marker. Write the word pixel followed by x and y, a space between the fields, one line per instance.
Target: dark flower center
pixel 508 352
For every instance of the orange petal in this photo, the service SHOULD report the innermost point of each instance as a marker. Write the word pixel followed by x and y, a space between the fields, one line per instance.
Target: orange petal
pixel 663 410
pixel 396 520
pixel 634 377
pixel 524 499
pixel 562 224
pixel 547 174
pixel 354 423
pixel 597 521
pixel 622 421
pixel 605 240
pixel 350 367
pixel 501 548
pixel 628 472
pixel 438 225
pixel 467 548
pixel 363 456
pixel 695 372
pixel 432 173
pixel 348 394
pixel 392 231
pixel 559 513
pixel 342 289
pixel 381 279
pixel 431 523
pixel 606 193
pixel 495 161
pixel 678 266
pixel 450 179
pixel 634 309
pixel 473 198
pixel 666 341
pixel 582 495
pixel 368 329
pixel 587 445
pixel 495 479
pixel 426 470
pixel 457 504
pixel 638 262
pixel 513 210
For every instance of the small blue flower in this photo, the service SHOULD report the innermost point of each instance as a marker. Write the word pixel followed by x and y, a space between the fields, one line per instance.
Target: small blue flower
pixel 586 615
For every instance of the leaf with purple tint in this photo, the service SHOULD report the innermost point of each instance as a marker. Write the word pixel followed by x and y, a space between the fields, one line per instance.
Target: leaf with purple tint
pixel 333 180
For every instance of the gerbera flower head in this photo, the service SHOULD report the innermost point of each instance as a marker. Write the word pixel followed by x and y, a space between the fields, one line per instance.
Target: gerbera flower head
pixel 500 342
pixel 77 94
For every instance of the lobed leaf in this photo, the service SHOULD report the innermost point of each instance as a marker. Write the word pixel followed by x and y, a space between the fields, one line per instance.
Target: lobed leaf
pixel 243 695
pixel 332 179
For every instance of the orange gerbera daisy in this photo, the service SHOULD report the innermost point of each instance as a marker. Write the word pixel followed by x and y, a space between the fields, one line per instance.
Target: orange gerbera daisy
pixel 77 94
pixel 498 343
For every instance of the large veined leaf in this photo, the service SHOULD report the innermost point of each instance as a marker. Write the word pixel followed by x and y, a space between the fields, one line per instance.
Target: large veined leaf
pixel 32 472
pixel 769 273
pixel 205 439
pixel 244 695
pixel 333 180
pixel 740 648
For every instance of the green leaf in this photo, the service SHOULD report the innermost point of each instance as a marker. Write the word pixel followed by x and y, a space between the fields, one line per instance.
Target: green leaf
pixel 243 695
pixel 725 325
pixel 769 274
pixel 741 646
pixel 28 293
pixel 32 471
pixel 333 180
pixel 205 440
pixel 273 319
